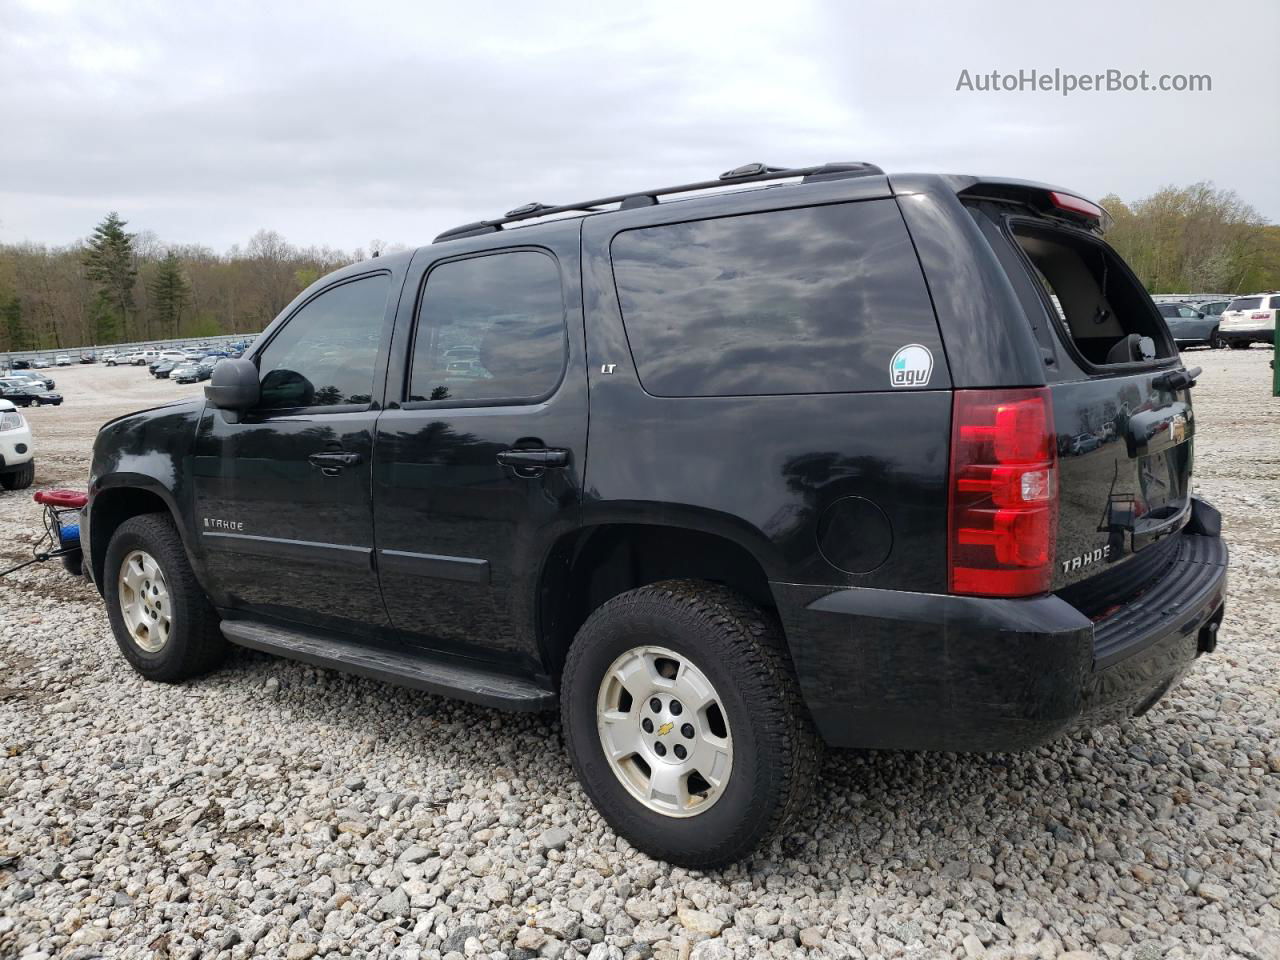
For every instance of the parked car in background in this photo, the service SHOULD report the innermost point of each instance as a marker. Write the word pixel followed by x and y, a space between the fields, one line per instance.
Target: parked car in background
pixel 1211 308
pixel 192 372
pixel 62 360
pixel 17 452
pixel 109 358
pixel 144 357
pixel 1189 326
pixel 26 392
pixel 162 368
pixel 21 365
pixel 1250 319
pixel 166 356
pixel 40 363
pixel 88 358
pixel 47 382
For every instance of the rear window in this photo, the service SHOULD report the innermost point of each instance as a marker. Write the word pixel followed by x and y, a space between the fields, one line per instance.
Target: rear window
pixel 1103 311
pixel 1245 303
pixel 1275 303
pixel 815 300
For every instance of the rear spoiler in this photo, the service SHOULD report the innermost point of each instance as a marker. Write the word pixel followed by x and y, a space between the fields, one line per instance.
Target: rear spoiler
pixel 1046 200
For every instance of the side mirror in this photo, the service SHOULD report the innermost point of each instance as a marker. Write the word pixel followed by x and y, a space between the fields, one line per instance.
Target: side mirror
pixel 233 387
pixel 1200 315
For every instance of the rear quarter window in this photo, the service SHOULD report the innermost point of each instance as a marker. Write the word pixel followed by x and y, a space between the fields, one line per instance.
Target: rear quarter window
pixel 812 300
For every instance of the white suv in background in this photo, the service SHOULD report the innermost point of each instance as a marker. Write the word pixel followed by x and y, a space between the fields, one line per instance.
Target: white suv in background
pixel 17 463
pixel 1250 319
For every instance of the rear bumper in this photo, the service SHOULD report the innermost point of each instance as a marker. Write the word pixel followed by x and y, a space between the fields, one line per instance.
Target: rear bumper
pixel 1256 334
pixel 892 670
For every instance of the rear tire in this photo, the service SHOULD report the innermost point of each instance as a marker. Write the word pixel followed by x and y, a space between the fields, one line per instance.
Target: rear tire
pixel 164 624
pixel 729 652
pixel 1217 341
pixel 21 478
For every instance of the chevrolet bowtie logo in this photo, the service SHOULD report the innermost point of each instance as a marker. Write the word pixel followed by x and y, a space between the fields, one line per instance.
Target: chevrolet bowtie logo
pixel 665 728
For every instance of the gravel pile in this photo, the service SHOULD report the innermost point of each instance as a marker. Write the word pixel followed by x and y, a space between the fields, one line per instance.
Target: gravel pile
pixel 273 809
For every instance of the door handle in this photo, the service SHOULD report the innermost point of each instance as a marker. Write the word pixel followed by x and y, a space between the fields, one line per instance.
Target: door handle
pixel 335 460
pixel 533 462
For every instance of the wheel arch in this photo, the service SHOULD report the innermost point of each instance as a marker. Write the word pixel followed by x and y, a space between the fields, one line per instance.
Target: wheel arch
pixel 116 500
pixel 591 564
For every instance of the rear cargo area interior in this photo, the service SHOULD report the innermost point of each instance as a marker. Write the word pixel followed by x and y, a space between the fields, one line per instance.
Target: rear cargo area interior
pixel 1096 301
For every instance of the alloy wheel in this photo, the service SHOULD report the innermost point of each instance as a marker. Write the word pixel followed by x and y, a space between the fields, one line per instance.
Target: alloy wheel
pixel 664 731
pixel 144 601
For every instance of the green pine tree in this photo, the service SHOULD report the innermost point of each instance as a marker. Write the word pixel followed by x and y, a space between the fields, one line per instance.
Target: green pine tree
pixel 110 264
pixel 170 294
pixel 15 329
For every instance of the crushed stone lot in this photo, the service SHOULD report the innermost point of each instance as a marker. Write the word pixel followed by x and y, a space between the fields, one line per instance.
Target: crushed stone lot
pixel 274 809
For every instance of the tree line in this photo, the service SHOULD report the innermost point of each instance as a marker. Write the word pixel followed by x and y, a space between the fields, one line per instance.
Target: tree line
pixel 1196 239
pixel 118 287
pixel 122 287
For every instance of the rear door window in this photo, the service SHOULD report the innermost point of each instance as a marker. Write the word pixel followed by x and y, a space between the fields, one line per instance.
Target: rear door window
pixel 491 329
pixel 813 300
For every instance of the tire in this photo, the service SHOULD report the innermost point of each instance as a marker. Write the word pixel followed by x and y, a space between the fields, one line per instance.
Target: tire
pixel 193 643
pixel 20 478
pixel 773 753
pixel 1217 341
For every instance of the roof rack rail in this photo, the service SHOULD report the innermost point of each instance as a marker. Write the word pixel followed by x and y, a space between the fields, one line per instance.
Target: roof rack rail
pixel 748 173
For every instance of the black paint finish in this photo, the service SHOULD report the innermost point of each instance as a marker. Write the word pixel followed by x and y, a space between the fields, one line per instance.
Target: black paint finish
pixel 428 534
pixel 889 669
pixel 439 488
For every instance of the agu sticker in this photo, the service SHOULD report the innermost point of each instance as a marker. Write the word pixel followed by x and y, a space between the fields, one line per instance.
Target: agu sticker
pixel 911 366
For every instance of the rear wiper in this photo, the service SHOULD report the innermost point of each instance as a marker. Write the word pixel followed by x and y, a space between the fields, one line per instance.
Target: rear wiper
pixel 1175 380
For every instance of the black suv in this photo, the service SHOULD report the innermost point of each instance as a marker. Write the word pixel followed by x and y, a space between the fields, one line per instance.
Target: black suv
pixel 898 462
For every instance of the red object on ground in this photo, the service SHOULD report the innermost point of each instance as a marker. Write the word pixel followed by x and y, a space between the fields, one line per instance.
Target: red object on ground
pixel 70 499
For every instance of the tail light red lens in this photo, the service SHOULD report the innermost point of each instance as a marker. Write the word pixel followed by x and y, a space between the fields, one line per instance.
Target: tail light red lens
pixel 1065 201
pixel 1265 315
pixel 1004 492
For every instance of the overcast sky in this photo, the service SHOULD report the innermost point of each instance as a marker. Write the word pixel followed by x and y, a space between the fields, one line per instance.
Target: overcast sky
pixel 336 124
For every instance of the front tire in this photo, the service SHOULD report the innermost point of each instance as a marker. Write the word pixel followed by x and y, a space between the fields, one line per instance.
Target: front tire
pixel 685 724
pixel 20 478
pixel 163 622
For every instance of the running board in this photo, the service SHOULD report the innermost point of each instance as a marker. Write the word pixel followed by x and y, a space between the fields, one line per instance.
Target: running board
pixel 464 680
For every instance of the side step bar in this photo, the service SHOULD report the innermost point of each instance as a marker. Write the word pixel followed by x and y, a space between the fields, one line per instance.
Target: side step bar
pixel 464 680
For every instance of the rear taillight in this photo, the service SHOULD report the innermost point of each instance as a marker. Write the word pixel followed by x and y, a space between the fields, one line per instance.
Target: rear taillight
pixel 1265 315
pixel 1004 492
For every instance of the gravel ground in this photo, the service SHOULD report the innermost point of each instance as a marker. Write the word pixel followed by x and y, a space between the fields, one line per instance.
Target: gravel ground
pixel 274 809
